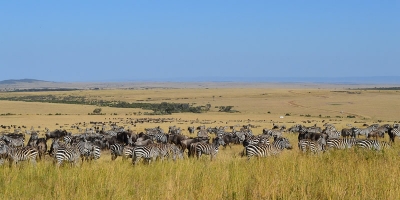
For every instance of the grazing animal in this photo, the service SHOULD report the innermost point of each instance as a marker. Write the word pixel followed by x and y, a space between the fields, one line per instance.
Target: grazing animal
pixel 209 149
pixel 148 152
pixel 67 154
pixel 17 154
pixel 340 143
pixel 372 144
pixel 264 150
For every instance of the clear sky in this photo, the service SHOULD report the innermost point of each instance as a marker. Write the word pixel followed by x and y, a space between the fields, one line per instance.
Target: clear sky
pixel 174 40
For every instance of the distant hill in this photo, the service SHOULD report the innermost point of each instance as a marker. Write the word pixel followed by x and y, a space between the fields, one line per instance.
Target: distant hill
pixel 26 80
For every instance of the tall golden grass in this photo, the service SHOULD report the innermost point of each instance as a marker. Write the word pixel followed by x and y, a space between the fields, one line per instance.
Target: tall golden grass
pixel 341 174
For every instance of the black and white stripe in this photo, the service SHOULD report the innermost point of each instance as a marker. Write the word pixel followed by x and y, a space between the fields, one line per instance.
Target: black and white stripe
pixel 13 142
pixel 67 154
pixel 264 150
pixel 340 143
pixel 148 152
pixel 209 149
pixel 17 154
pixel 307 145
pixel 372 144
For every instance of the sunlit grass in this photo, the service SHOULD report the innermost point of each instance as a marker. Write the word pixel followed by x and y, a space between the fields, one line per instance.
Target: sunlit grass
pixel 346 174
pixel 342 174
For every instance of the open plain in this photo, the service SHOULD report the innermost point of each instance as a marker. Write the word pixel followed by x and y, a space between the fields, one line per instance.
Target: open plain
pixel 340 174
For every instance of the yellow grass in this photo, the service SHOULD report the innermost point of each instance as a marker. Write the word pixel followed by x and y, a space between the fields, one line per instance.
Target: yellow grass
pixel 351 174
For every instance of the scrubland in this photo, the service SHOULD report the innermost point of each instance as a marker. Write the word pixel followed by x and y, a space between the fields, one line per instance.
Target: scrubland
pixel 347 174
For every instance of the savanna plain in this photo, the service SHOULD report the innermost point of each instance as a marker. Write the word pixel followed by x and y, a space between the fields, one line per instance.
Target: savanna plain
pixel 335 174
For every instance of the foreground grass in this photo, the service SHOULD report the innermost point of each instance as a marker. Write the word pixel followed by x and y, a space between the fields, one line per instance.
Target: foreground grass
pixel 351 174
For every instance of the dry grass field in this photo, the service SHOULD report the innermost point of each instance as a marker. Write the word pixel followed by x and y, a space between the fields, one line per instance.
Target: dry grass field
pixel 350 174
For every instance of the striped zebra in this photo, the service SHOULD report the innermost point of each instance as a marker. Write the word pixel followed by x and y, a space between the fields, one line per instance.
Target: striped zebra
pixel 3 152
pixel 209 149
pixel 169 151
pixel 331 132
pixel 85 149
pixel 160 137
pixel 307 145
pixel 95 153
pixel 251 140
pixel 272 133
pixel 148 152
pixel 372 144
pixel 67 139
pixel 17 154
pixel 364 131
pixel 264 150
pixel 116 150
pixel 121 150
pixel 393 132
pixel 68 154
pixel 340 143
pixel 13 142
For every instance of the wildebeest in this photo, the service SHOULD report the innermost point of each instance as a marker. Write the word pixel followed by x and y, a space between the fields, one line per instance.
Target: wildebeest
pixel 56 134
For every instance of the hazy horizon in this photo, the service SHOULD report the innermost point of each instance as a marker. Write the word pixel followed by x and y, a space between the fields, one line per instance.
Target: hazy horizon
pixel 338 80
pixel 211 40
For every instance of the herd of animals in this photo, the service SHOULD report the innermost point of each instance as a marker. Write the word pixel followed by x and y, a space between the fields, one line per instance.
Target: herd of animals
pixel 156 144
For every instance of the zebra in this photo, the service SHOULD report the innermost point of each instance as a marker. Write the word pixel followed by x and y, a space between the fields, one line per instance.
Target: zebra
pixel 372 144
pixel 364 131
pixel 33 139
pixel 252 140
pixel 85 149
pixel 312 146
pixel 209 149
pixel 14 142
pixel 331 132
pixel 95 153
pixel 116 150
pixel 264 150
pixel 121 150
pixel 148 152
pixel 169 150
pixel 67 139
pixel 340 143
pixel 3 152
pixel 273 133
pixel 393 132
pixel 160 137
pixel 68 154
pixel 16 154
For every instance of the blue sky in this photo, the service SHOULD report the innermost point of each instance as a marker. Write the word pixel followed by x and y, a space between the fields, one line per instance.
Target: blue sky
pixel 188 40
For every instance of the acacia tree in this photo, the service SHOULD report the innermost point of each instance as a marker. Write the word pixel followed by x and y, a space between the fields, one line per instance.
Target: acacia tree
pixel 97 111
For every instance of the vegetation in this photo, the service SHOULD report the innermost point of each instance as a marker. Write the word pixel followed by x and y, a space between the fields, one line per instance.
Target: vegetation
pixel 351 174
pixel 162 108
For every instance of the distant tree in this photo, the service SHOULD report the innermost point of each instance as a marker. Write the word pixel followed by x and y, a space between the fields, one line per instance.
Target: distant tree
pixel 97 111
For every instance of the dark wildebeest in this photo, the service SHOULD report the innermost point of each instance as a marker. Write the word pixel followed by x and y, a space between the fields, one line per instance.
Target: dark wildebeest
pixel 41 146
pixel 56 134
pixel 185 144
pixel 176 139
pixel 144 142
pixel 191 129
pixel 125 137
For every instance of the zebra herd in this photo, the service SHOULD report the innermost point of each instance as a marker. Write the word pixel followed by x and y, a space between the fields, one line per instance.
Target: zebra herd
pixel 154 144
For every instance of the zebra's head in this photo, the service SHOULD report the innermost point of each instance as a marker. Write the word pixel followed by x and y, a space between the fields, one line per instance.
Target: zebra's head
pixel 219 141
pixel 3 149
pixel 285 143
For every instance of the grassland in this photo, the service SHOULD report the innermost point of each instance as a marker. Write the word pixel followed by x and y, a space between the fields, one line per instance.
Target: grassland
pixel 351 174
